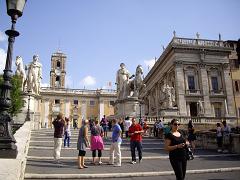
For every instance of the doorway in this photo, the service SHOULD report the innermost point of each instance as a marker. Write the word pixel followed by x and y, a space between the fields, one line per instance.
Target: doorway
pixel 193 109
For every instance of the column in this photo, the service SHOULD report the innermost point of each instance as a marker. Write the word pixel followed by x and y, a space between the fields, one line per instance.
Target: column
pixel 67 108
pixel 101 109
pixel 180 88
pixel 229 90
pixel 205 90
pixel 84 110
pixel 46 113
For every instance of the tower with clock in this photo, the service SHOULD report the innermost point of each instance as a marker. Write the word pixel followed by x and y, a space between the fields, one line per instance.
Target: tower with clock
pixel 58 73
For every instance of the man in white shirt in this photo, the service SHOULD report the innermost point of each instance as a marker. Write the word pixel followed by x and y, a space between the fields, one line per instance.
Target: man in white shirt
pixel 127 124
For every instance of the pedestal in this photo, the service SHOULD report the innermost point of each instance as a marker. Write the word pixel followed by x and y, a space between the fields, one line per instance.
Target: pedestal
pixel 127 107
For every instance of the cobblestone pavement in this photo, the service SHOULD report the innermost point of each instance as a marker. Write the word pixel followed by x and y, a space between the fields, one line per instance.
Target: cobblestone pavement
pixel 206 165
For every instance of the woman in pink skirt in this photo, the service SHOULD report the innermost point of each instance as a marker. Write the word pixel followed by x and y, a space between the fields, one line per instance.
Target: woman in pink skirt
pixel 96 141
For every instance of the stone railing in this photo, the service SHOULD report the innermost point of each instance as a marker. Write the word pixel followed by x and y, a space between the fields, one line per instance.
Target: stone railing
pixel 79 91
pixel 14 168
pixel 199 42
pixel 208 140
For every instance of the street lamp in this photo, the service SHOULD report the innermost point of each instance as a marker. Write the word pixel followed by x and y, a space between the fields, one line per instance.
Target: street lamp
pixel 28 110
pixel 8 149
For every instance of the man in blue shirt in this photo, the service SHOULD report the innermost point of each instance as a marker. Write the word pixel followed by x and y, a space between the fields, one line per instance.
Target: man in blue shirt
pixel 116 144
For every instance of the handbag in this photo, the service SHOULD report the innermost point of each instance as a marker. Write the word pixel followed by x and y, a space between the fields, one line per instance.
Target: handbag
pixel 189 153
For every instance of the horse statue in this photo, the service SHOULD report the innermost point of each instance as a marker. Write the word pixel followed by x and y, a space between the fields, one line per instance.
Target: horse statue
pixel 20 71
pixel 137 83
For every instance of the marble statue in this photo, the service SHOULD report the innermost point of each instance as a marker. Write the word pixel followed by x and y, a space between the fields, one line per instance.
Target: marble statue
pixel 169 96
pixel 34 75
pixel 138 81
pixel 122 80
pixel 20 71
pixel 200 107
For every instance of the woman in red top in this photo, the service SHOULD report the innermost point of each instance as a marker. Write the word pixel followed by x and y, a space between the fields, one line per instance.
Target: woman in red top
pixel 135 131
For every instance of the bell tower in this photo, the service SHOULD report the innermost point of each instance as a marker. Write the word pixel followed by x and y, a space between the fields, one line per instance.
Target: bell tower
pixel 58 73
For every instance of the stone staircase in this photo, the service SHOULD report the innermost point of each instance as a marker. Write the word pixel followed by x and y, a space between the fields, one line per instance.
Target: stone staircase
pixel 40 164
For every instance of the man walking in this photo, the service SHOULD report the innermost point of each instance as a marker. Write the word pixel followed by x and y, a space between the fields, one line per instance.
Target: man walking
pixel 58 124
pixel 135 131
pixel 116 144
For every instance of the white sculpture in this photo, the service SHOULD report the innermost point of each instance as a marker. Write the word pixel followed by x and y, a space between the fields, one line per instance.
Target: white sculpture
pixel 122 80
pixel 138 81
pixel 34 75
pixel 200 107
pixel 169 95
pixel 20 71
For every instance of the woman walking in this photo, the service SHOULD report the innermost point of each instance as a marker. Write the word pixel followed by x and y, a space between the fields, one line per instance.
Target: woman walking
pixel 82 143
pixel 96 141
pixel 67 133
pixel 175 145
pixel 191 135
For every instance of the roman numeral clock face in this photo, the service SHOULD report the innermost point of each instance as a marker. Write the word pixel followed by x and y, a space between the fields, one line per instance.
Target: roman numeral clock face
pixel 57 72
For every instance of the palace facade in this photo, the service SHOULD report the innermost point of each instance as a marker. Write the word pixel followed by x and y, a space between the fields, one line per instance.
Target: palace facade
pixel 77 104
pixel 199 82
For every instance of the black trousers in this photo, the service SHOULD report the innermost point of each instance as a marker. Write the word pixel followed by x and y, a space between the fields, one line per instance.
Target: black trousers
pixel 133 145
pixel 99 153
pixel 179 166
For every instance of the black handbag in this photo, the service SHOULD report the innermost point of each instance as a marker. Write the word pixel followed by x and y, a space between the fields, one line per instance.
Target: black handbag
pixel 189 153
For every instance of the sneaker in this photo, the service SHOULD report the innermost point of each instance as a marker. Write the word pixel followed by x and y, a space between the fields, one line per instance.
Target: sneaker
pixel 140 160
pixel 219 150
pixel 100 162
pixel 133 162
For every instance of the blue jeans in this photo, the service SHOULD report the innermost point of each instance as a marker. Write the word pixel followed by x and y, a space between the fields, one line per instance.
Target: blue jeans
pixel 133 145
pixel 66 140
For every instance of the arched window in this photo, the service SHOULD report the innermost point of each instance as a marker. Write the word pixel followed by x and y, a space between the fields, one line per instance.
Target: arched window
pixel 58 64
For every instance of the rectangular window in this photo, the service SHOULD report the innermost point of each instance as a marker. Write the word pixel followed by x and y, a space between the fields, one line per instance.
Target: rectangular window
pixel 236 63
pixel 217 112
pixel 191 83
pixel 111 103
pixel 214 83
pixel 92 103
pixel 75 102
pixel 57 101
pixel 236 86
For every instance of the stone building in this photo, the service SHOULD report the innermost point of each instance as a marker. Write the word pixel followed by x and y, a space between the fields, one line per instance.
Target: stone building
pixel 77 104
pixel 191 80
pixel 235 74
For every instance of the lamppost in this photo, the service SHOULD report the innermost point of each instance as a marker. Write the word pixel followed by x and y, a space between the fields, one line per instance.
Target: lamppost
pixel 8 149
pixel 28 110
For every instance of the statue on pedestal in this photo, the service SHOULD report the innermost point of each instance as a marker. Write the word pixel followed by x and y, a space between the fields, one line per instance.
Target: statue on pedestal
pixel 122 80
pixel 169 96
pixel 20 71
pixel 34 75
pixel 200 107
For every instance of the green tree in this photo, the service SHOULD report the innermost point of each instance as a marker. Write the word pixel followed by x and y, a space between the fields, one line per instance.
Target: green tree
pixel 16 95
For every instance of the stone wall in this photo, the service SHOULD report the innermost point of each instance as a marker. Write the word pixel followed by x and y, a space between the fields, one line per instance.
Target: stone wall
pixel 13 169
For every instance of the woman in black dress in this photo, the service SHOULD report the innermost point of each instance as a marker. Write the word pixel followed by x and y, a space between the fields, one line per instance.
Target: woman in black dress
pixel 175 144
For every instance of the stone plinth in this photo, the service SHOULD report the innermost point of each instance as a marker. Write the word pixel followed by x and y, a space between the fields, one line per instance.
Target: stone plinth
pixel 127 107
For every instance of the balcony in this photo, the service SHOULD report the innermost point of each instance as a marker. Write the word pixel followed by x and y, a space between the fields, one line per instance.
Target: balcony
pixel 193 92
pixel 218 92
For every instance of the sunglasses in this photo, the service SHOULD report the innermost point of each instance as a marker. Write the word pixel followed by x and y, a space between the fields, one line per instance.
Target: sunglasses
pixel 176 124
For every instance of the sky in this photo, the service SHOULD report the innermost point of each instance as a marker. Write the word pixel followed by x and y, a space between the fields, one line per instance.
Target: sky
pixel 97 35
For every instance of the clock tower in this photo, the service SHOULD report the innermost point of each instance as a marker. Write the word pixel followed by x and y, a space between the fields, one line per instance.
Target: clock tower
pixel 58 73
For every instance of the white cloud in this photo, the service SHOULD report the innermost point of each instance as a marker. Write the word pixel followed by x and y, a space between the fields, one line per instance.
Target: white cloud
pixel 3 37
pixel 3 56
pixel 149 63
pixel 88 81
